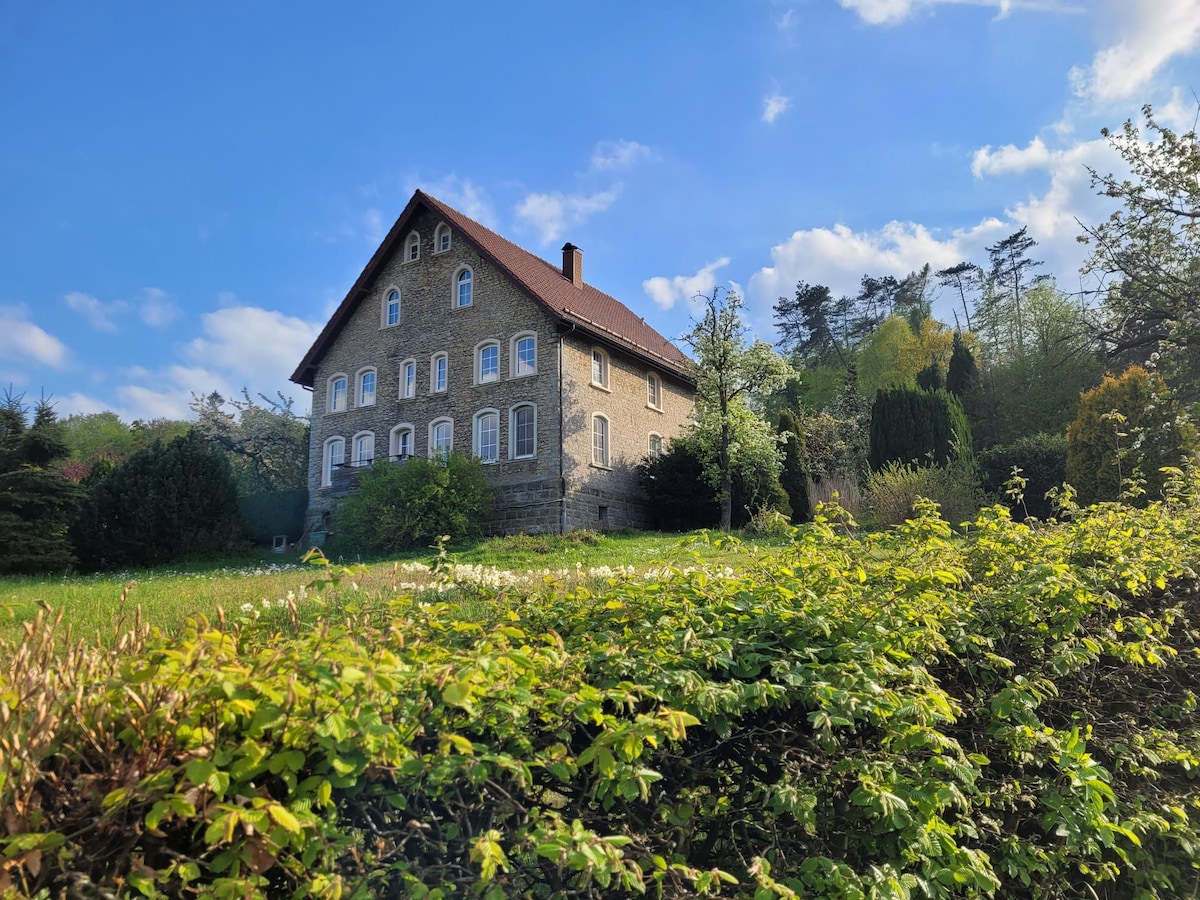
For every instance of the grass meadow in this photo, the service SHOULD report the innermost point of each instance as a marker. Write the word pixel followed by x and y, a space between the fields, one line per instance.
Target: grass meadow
pixel 98 607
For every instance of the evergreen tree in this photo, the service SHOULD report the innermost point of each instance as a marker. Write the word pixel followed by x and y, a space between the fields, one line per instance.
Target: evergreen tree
pixel 793 474
pixel 913 426
pixel 962 374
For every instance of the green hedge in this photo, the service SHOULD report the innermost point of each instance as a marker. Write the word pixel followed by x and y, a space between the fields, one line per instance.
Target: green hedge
pixel 279 512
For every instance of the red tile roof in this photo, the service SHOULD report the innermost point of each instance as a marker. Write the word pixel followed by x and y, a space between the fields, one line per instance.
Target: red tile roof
pixel 585 307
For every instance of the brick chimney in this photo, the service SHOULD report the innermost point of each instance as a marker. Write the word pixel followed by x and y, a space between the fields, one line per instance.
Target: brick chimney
pixel 573 264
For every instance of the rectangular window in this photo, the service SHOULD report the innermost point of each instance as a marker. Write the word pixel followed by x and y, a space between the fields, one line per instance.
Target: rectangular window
pixel 524 426
pixel 487 440
pixel 444 240
pixel 526 358
pixel 600 441
pixel 599 368
pixel 438 379
pixel 364 450
pixel 408 381
pixel 334 454
pixel 655 446
pixel 653 391
pixel 337 395
pixel 404 443
pixel 489 363
pixel 366 389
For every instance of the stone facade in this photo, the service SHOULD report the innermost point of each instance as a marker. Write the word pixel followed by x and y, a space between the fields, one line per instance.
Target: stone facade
pixel 561 486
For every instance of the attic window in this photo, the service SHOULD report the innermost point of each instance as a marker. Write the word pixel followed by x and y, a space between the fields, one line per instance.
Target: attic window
pixel 412 248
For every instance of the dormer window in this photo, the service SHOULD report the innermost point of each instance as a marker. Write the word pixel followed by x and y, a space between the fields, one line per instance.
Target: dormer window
pixel 441 238
pixel 412 248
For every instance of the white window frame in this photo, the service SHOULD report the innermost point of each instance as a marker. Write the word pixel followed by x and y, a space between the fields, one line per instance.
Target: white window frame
pixel 514 431
pixel 385 312
pixel 599 368
pixel 601 459
pixel 654 445
pixel 408 385
pixel 443 230
pixel 456 288
pixel 514 353
pixel 477 435
pixel 433 426
pixel 360 459
pixel 442 357
pixel 480 377
pixel 359 378
pixel 331 401
pixel 654 388
pixel 328 462
pixel 394 441
pixel 411 243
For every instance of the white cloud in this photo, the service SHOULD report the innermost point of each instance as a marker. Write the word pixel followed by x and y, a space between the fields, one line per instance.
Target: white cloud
pixel 619 156
pixel 552 214
pixel 77 404
pixel 23 341
pixel 774 106
pixel 892 12
pixel 157 309
pixel 666 291
pixel 1179 112
pixel 258 346
pixel 1152 33
pixel 98 313
pixel 1008 159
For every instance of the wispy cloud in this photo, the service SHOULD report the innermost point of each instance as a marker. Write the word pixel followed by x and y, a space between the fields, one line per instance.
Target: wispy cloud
pixel 551 214
pixel 667 291
pixel 100 315
pixel 892 12
pixel 619 156
pixel 22 341
pixel 157 309
pixel 1010 159
pixel 774 106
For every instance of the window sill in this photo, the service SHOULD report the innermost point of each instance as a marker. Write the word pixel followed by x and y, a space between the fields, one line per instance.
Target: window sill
pixel 601 387
pixel 596 465
pixel 522 374
pixel 657 409
pixel 336 412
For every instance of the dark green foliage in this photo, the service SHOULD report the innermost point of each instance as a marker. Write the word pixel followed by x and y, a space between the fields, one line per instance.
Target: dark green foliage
pixel 164 503
pixel 37 504
pixel 412 504
pixel 793 476
pixel 279 512
pixel 930 378
pixel 911 425
pixel 1127 427
pixel 1042 459
pixel 962 373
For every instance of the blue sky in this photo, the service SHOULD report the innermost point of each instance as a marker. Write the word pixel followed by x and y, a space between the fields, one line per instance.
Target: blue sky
pixel 187 190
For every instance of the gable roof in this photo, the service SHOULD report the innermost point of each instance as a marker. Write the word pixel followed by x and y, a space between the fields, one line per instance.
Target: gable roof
pixel 586 308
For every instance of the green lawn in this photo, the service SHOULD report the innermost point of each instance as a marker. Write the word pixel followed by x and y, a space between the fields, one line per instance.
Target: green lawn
pixel 92 605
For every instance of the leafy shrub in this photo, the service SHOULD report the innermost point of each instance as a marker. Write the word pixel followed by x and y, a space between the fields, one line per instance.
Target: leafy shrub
pixel 893 492
pixel 909 425
pixel 768 523
pixel 1125 424
pixel 398 507
pixel 164 503
pixel 1042 459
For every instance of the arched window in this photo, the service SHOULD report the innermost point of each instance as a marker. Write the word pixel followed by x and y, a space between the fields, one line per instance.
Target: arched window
pixel 522 431
pixel 364 449
pixel 391 307
pixel 655 446
pixel 412 247
pixel 524 355
pixel 487 362
pixel 441 238
pixel 600 441
pixel 336 401
pixel 653 391
pixel 441 437
pixel 401 442
pixel 439 373
pixel 463 288
pixel 334 456
pixel 366 387
pixel 486 435
pixel 408 379
pixel 599 368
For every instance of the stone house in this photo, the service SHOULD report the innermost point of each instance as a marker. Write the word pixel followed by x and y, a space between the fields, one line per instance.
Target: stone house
pixel 455 338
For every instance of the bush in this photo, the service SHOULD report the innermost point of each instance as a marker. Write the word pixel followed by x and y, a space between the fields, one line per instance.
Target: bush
pixel 1125 424
pixel 893 491
pixel 1042 459
pixel 909 425
pixel 839 488
pixel 398 507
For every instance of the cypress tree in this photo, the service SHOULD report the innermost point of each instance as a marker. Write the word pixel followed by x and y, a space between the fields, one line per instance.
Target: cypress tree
pixel 913 426
pixel 793 475
pixel 962 373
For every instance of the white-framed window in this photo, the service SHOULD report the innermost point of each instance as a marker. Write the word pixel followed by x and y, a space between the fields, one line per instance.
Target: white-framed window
pixel 366 387
pixel 408 379
pixel 463 288
pixel 600 441
pixel 653 391
pixel 364 449
pixel 654 446
pixel 522 431
pixel 400 442
pixel 441 238
pixel 487 362
pixel 391 307
pixel 441 437
pixel 412 247
pixel 599 368
pixel 439 373
pixel 334 456
pixel 524 355
pixel 337 393
pixel 486 437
